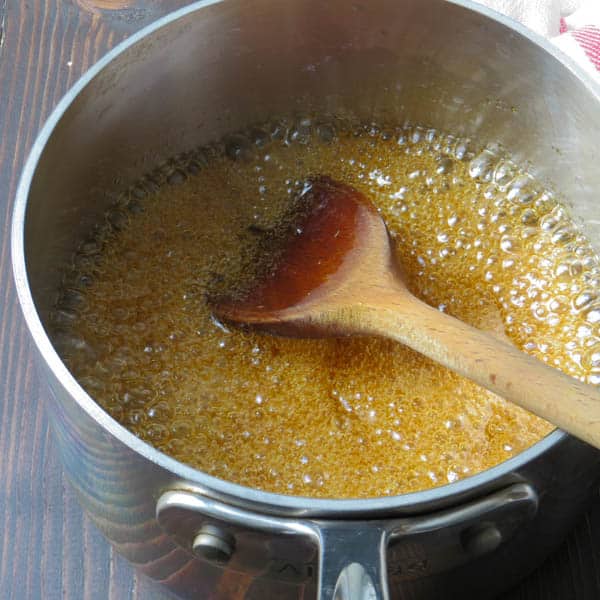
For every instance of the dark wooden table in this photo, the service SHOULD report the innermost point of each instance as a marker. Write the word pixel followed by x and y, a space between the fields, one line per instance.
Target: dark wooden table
pixel 48 548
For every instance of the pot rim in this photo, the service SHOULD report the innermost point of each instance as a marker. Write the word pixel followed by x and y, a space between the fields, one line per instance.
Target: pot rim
pixel 238 494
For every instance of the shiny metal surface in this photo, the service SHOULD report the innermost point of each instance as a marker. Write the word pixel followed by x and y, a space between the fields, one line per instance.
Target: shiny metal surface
pixel 354 583
pixel 353 560
pixel 349 557
pixel 220 65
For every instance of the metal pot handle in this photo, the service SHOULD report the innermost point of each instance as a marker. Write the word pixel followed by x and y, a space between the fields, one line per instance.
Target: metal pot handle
pixel 352 554
pixel 352 557
pixel 352 563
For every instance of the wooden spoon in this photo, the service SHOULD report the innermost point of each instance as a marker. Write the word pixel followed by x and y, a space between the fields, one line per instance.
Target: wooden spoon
pixel 337 276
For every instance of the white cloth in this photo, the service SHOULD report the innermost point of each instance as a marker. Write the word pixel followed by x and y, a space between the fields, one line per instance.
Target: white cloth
pixel 573 25
pixel 543 16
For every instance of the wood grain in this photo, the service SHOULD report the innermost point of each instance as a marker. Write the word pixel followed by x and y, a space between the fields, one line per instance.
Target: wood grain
pixel 48 548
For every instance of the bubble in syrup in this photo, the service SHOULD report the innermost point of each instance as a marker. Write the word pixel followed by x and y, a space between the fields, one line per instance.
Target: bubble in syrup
pixel 177 177
pixel 591 358
pixel 278 130
pixel 238 147
pixel 583 300
pixel 558 304
pixel 381 179
pixel 592 314
pixel 301 132
pixel 562 236
pixel 415 135
pixel 521 191
pixel 259 136
pixel 444 165
pixel 529 217
pixel 575 268
pixel 461 151
pixel 509 244
pixel 155 432
pixel 480 167
pixel 345 404
pixel 504 173
pixel 451 476
pixel 117 219
pixel 549 222
pixel 326 132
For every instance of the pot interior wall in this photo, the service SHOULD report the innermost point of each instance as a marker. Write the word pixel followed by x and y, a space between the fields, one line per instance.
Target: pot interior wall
pixel 229 64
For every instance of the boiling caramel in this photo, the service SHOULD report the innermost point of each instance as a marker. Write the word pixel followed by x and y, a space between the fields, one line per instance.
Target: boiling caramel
pixel 355 417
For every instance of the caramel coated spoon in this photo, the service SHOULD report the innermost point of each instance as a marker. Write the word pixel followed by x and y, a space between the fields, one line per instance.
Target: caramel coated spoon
pixel 336 276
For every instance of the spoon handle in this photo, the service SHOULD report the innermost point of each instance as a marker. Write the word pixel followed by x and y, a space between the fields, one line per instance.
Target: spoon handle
pixel 495 365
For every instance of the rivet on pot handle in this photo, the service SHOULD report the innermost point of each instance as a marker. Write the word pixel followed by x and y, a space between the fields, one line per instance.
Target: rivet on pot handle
pixel 353 555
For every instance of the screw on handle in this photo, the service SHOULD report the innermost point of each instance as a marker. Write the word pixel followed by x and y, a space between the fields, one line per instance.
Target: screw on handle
pixel 213 544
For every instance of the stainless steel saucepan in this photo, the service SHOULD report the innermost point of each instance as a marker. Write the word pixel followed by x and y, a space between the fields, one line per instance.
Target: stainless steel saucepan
pixel 215 67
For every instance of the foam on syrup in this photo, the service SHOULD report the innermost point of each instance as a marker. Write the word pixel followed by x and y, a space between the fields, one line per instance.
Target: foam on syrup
pixel 353 417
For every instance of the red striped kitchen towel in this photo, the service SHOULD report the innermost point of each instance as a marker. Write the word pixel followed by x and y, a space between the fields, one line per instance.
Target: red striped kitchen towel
pixel 573 25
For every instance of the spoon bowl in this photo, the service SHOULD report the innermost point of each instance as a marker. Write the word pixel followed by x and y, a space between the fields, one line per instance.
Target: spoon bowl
pixel 337 246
